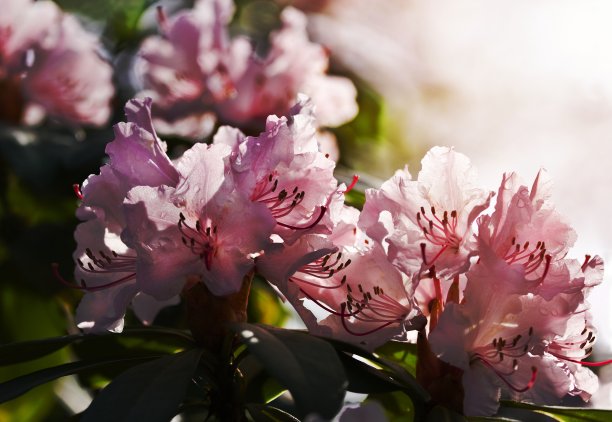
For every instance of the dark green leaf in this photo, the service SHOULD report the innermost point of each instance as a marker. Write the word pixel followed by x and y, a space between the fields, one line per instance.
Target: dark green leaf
pixel 397 406
pixel 16 387
pixel 30 350
pixel 25 315
pixel 403 354
pixel 152 391
pixel 308 366
pixel 564 414
pixel 260 386
pixel 266 413
pixel 407 380
pixel 366 379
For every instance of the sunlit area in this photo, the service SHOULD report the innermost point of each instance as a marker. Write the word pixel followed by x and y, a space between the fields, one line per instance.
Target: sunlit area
pixel 305 210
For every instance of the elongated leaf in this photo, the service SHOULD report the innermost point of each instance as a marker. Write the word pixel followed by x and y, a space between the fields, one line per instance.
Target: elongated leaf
pixel 397 406
pixel 260 386
pixel 366 379
pixel 29 350
pixel 266 413
pixel 404 354
pixel 308 366
pixel 16 387
pixel 13 353
pixel 150 392
pixel 565 414
pixel 399 373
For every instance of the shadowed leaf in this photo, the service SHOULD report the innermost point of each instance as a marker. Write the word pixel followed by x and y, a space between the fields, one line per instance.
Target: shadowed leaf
pixel 151 392
pixel 308 366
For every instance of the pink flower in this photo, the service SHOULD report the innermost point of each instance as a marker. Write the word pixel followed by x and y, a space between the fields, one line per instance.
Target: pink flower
pixel 512 343
pixel 525 229
pixel 186 70
pixel 196 72
pixel 137 157
pixel 342 285
pixel 107 267
pixel 204 227
pixel 283 170
pixel 427 222
pixel 269 85
pixel 50 66
pixel 106 271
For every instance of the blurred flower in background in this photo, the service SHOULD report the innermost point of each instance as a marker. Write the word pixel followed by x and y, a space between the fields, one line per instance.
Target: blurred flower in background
pixel 50 66
pixel 195 72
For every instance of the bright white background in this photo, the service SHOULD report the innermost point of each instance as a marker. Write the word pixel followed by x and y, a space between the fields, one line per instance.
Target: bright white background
pixel 513 84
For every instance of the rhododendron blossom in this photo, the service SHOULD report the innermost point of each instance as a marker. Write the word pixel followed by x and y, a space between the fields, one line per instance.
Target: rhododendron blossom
pixel 342 284
pixel 283 169
pixel 204 226
pixel 50 66
pixel 107 267
pixel 525 229
pixel 195 72
pixel 499 310
pixel 427 222
pixel 426 225
pixel 515 343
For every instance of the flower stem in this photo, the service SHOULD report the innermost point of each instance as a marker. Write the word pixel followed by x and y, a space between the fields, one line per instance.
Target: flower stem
pixel 208 315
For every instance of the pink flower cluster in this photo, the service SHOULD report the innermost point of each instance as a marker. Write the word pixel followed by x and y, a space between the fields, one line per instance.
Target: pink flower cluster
pixel 490 290
pixel 195 73
pixel 150 222
pixel 505 305
pixel 50 66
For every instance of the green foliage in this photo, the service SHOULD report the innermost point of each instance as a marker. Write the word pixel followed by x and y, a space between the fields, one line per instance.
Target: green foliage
pixel 36 209
pixel 306 365
pixel 264 304
pixel 265 413
pixel 397 405
pixel 133 342
pixel 152 391
pixel 149 380
pixel 23 316
pixel 563 414
pixel 119 17
pixel 355 198
pixel 404 354
pixel 20 385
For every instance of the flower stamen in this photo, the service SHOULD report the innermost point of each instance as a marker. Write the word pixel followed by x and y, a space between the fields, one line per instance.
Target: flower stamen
pixel 439 232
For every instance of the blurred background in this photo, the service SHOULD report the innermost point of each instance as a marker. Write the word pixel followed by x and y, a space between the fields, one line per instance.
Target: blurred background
pixel 516 85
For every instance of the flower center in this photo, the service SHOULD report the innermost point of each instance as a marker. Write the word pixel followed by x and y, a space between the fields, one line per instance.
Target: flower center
pixel 502 357
pixel 283 202
pixel 372 306
pixel 322 268
pixel 102 263
pixel 202 239
pixel 439 232
pixel 365 306
pixel 531 258
pixel 574 349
